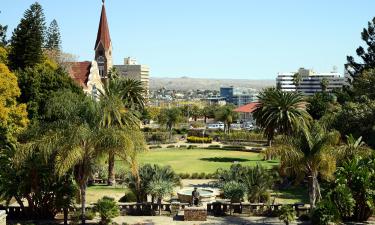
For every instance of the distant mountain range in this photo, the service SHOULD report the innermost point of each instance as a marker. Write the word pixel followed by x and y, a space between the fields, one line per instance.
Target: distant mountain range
pixel 188 83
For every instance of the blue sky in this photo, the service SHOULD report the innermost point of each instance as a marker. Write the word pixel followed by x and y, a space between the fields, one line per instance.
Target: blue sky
pixel 212 38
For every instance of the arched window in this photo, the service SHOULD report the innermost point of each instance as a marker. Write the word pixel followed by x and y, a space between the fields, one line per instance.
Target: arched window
pixel 101 66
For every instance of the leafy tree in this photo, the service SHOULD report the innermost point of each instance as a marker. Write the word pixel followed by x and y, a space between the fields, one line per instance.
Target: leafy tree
pixel 319 104
pixel 37 85
pixel 354 147
pixel 281 112
pixel 297 78
pixel 309 154
pixel 13 116
pixel 366 55
pixel 3 35
pixel 227 115
pixel 53 37
pixel 364 84
pixel 324 84
pixel 27 39
pixel 359 120
pixel 209 112
pixel 359 176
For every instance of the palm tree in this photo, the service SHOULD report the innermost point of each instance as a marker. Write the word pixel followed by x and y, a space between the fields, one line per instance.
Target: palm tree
pixel 159 189
pixel 119 102
pixel 169 118
pixel 297 78
pixel 309 153
pixel 226 115
pixel 75 140
pixel 281 112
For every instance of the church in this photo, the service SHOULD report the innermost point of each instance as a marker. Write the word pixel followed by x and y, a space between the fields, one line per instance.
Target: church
pixel 90 75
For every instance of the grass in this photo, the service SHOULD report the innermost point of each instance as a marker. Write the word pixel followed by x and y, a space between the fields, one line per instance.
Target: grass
pixel 201 160
pixel 291 195
pixel 98 191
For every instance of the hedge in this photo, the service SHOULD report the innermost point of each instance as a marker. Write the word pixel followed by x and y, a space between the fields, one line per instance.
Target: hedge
pixel 194 139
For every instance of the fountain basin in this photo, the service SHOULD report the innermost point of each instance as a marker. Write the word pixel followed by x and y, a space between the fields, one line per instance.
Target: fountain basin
pixel 205 195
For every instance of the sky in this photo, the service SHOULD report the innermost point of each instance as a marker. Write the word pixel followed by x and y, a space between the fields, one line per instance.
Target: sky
pixel 236 39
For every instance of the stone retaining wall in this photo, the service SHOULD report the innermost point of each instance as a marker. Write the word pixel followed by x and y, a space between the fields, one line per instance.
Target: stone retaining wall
pixel 195 214
pixel 3 217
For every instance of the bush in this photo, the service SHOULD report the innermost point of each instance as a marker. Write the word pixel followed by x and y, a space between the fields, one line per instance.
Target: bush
pixel 154 146
pixel 194 176
pixel 193 139
pixel 234 191
pixel 191 147
pixel 184 175
pixel 242 136
pixel 107 209
pixel 234 147
pixel 202 175
pixel 128 197
pixel 287 214
pixel 76 216
pixel 324 213
pixel 214 146
pixel 183 146
pixel 121 173
pixel 171 146
pixel 159 137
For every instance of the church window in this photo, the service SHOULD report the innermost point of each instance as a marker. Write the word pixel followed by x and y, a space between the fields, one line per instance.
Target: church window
pixel 101 66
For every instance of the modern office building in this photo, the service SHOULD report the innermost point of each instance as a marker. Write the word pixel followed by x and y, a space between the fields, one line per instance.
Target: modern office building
pixel 238 96
pixel 309 82
pixel 131 69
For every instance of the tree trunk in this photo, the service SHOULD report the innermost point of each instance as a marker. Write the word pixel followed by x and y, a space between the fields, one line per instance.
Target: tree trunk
pixel 111 169
pixel 313 188
pixel 269 142
pixel 83 203
pixel 65 215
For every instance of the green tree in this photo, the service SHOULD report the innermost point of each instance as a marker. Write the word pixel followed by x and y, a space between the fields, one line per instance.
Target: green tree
pixel 319 104
pixel 297 78
pixel 234 191
pixel 3 35
pixel 107 209
pixel 227 115
pixel 366 55
pixel 354 147
pixel 114 102
pixel 324 84
pixel 287 214
pixel 364 84
pixel 209 112
pixel 53 37
pixel 27 39
pixel 159 189
pixel 309 154
pixel 281 112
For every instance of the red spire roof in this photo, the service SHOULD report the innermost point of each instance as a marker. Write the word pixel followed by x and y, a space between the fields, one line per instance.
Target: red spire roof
pixel 103 31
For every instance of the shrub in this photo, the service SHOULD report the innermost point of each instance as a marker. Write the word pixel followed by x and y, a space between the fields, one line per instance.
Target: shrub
pixel 234 191
pixel 194 139
pixel 194 176
pixel 107 209
pixel 76 216
pixel 191 147
pixel 184 175
pixel 121 173
pixel 128 197
pixel 202 175
pixel 242 136
pixel 154 146
pixel 214 146
pixel 234 147
pixel 159 137
pixel 287 214
pixel 324 213
pixel 171 146
pixel 183 146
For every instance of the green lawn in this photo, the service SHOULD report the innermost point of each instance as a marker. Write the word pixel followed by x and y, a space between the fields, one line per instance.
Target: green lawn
pixel 201 160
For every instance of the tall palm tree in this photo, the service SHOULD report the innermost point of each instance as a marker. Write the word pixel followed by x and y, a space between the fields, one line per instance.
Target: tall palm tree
pixel 281 112
pixel 324 84
pixel 297 78
pixel 309 154
pixel 119 102
pixel 226 115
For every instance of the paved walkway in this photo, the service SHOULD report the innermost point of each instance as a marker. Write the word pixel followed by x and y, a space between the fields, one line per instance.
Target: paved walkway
pixel 227 220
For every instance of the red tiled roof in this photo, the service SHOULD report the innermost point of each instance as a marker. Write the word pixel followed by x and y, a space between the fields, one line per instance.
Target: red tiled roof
pixel 103 31
pixel 80 72
pixel 248 108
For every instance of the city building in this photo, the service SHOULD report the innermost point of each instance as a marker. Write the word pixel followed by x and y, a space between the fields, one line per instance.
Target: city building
pixel 246 112
pixel 238 96
pixel 131 69
pixel 309 82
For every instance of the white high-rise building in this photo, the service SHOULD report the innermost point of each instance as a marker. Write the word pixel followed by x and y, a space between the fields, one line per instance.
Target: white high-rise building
pixel 310 82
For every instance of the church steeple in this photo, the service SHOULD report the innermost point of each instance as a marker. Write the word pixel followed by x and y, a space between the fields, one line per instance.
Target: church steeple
pixel 103 45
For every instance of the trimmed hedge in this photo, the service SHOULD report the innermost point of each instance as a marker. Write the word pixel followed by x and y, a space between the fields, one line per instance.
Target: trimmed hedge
pixel 197 175
pixel 171 146
pixel 194 139
pixel 234 147
pixel 154 146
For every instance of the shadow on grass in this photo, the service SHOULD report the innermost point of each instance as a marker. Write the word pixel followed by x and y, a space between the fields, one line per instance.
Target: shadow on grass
pixel 299 194
pixel 225 159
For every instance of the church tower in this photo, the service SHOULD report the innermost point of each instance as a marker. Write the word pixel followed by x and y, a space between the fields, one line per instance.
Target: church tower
pixel 103 46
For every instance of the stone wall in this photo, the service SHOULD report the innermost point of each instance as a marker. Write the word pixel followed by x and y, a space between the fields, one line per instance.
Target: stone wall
pixel 3 217
pixel 195 214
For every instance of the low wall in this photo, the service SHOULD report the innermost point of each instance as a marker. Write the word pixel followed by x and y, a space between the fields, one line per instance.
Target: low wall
pixel 3 217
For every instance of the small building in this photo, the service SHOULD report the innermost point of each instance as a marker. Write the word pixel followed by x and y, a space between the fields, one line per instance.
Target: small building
pixel 246 112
